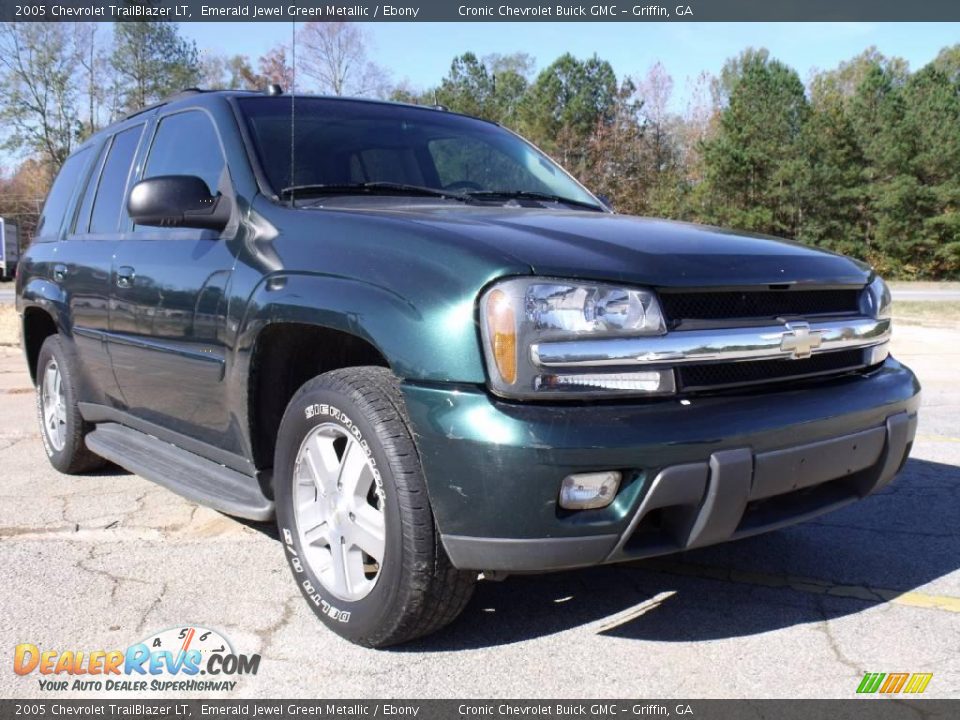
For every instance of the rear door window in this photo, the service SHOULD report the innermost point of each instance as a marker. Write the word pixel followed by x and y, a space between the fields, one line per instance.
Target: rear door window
pixel 111 191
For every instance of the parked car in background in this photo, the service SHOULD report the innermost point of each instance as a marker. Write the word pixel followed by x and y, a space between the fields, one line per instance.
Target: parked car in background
pixel 428 352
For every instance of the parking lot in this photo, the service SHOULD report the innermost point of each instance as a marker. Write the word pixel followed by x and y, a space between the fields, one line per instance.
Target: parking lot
pixel 103 561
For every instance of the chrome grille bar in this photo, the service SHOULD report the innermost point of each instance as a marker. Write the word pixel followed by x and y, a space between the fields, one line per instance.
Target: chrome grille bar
pixel 788 340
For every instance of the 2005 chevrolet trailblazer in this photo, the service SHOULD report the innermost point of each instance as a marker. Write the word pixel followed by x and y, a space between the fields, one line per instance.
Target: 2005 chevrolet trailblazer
pixel 428 351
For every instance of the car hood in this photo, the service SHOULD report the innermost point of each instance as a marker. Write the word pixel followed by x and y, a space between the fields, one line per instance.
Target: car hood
pixel 607 246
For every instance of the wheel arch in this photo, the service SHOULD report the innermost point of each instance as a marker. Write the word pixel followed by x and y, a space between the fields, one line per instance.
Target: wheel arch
pixel 295 323
pixel 42 305
pixel 38 324
pixel 286 355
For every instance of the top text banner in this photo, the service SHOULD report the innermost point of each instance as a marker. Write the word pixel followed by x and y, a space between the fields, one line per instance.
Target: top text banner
pixel 478 10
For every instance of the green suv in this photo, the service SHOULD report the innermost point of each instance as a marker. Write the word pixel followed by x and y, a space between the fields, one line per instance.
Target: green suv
pixel 431 354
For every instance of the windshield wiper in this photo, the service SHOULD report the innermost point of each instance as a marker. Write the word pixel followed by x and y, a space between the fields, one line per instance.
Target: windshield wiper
pixel 530 195
pixel 391 188
pixel 368 188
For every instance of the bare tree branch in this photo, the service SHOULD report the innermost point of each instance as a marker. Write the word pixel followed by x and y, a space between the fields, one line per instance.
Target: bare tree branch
pixel 334 56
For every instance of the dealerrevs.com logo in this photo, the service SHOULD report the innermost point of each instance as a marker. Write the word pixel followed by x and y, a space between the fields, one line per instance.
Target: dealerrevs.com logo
pixel 182 659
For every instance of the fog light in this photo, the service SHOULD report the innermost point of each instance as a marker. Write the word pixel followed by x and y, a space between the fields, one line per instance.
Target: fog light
pixel 584 491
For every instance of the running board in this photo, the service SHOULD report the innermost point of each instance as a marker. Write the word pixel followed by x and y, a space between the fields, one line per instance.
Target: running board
pixel 183 472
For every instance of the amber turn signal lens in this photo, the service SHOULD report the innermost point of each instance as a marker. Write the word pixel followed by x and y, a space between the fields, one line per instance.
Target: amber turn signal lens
pixel 502 326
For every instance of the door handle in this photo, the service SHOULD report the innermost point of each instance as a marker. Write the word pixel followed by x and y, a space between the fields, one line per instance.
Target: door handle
pixel 60 272
pixel 125 276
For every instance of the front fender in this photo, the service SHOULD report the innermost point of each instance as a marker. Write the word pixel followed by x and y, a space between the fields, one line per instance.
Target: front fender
pixel 439 344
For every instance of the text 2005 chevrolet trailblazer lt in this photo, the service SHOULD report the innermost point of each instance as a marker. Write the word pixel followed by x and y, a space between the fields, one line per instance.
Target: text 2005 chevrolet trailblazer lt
pixel 429 352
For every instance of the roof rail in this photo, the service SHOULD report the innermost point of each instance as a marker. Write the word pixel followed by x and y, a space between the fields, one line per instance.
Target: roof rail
pixel 186 92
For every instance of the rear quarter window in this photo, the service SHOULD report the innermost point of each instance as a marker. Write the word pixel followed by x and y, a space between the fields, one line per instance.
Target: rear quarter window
pixel 61 196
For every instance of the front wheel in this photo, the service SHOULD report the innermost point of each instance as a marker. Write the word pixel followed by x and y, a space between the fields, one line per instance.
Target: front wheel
pixel 354 516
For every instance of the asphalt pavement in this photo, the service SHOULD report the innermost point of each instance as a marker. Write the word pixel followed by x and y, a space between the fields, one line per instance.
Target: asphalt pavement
pixel 102 561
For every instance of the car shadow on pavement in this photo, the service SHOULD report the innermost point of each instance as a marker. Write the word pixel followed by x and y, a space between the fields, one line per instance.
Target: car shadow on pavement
pixel 839 564
pixel 109 469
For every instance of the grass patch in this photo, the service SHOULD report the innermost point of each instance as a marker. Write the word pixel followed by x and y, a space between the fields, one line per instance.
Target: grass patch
pixel 933 313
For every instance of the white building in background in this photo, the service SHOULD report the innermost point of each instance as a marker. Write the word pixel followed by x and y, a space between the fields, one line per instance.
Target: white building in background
pixel 9 249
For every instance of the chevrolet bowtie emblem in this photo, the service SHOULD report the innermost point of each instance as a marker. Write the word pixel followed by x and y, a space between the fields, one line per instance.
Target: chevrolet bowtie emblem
pixel 799 341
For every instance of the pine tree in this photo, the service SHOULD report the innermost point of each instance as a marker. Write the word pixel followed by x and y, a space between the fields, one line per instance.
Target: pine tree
pixel 152 61
pixel 754 159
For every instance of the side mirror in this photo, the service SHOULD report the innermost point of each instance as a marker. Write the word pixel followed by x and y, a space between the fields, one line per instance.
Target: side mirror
pixel 178 201
pixel 605 199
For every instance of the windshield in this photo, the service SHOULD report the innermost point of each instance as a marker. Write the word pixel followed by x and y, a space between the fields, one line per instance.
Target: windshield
pixel 347 142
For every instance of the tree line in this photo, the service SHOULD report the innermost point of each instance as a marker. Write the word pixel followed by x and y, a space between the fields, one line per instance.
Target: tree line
pixel 862 159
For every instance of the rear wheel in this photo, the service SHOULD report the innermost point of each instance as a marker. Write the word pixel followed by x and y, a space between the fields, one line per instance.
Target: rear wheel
pixel 354 516
pixel 61 426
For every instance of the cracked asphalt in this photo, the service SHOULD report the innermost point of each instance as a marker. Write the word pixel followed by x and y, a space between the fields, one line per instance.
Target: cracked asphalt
pixel 103 561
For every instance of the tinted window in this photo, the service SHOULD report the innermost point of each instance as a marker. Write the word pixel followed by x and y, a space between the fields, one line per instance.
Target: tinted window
pixel 386 165
pixel 83 213
pixel 58 200
pixel 113 181
pixel 349 141
pixel 187 144
pixel 470 163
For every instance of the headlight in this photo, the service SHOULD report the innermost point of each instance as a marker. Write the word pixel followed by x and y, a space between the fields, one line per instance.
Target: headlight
pixel 875 301
pixel 521 312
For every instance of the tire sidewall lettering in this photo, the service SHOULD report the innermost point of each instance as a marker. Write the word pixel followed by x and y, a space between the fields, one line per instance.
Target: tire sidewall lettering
pixel 325 411
pixel 43 426
pixel 307 585
pixel 331 609
pixel 41 373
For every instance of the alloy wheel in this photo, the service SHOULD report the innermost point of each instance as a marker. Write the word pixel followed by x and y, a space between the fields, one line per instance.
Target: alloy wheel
pixel 338 507
pixel 54 403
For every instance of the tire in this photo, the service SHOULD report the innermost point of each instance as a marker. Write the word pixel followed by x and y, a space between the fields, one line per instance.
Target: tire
pixel 65 445
pixel 412 590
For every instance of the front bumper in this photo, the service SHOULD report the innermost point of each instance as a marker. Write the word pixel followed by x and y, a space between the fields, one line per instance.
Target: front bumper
pixel 696 471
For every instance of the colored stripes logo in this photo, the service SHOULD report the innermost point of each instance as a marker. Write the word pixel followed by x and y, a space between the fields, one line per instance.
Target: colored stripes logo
pixel 892 683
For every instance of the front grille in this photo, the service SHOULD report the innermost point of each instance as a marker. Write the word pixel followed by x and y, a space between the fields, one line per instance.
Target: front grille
pixel 723 305
pixel 718 375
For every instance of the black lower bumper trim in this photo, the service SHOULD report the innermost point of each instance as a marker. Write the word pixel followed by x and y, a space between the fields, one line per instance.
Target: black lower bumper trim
pixel 527 554
pixel 734 494
pixel 745 493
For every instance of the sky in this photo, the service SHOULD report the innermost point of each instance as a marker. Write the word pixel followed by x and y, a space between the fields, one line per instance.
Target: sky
pixel 420 53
